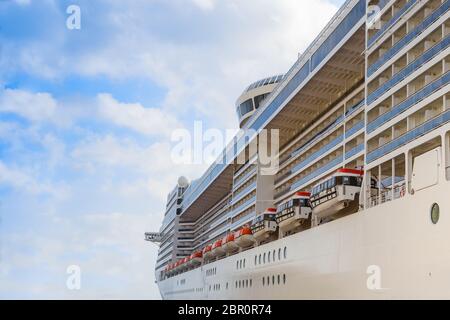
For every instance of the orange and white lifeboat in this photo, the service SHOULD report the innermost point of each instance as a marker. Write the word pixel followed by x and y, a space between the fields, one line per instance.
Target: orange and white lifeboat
pixel 207 252
pixel 196 258
pixel 337 194
pixel 294 212
pixel 185 263
pixel 217 249
pixel 170 271
pixel 176 267
pixel 229 244
pixel 264 224
pixel 244 237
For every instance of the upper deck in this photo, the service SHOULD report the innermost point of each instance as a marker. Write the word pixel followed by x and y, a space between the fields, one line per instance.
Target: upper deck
pixel 330 66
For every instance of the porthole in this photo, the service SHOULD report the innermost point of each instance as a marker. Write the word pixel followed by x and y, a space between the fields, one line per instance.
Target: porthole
pixel 435 213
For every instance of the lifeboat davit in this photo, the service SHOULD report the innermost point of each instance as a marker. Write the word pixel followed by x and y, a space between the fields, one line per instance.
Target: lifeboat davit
pixel 229 244
pixel 294 212
pixel 217 250
pixel 196 258
pixel 338 194
pixel 264 225
pixel 244 237
pixel 207 252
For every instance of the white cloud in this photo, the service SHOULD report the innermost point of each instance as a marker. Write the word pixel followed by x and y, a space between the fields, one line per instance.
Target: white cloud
pixel 26 182
pixel 151 164
pixel 33 106
pixel 149 121
pixel 205 4
pixel 203 59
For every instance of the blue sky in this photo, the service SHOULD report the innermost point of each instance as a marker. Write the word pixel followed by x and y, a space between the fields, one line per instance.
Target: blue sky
pixel 86 118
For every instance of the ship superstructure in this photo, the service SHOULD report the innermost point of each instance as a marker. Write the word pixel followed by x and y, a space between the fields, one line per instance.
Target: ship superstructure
pixel 364 157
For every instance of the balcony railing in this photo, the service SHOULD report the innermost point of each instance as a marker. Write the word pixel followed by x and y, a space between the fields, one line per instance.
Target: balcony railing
pixel 409 136
pixel 327 148
pixel 319 136
pixel 354 151
pixel 409 102
pixel 409 69
pixel 358 126
pixel 336 161
pixel 354 108
pixel 243 193
pixel 409 37
pixel 391 22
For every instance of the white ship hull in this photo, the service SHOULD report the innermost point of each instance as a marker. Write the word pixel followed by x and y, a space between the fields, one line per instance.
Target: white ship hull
pixel 341 259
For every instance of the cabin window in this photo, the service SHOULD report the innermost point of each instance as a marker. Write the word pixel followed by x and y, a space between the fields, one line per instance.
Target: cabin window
pixel 264 282
pixel 268 280
pixel 278 279
pixel 279 254
pixel 268 257
pixel 244 263
pixel 255 259
pixel 251 283
pixel 284 278
pixel 285 253
pixel 260 258
pixel 246 283
pixel 237 264
pixel 273 255
pixel 273 280
pixel 264 258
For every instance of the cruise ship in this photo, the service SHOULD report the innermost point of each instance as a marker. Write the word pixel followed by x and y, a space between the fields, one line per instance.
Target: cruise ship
pixel 358 204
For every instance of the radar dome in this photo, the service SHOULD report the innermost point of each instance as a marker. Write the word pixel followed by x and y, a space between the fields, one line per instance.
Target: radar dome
pixel 183 182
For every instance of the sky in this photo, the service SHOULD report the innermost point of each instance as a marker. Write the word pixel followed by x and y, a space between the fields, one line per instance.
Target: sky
pixel 87 119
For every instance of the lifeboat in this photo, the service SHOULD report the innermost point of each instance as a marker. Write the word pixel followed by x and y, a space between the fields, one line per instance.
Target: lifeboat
pixel 183 264
pixel 264 225
pixel 176 266
pixel 229 244
pixel 244 237
pixel 170 269
pixel 217 250
pixel 196 258
pixel 338 194
pixel 207 252
pixel 294 212
pixel 186 263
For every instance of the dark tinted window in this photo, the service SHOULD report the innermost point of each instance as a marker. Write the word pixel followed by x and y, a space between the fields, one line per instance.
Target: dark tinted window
pixel 259 99
pixel 246 107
